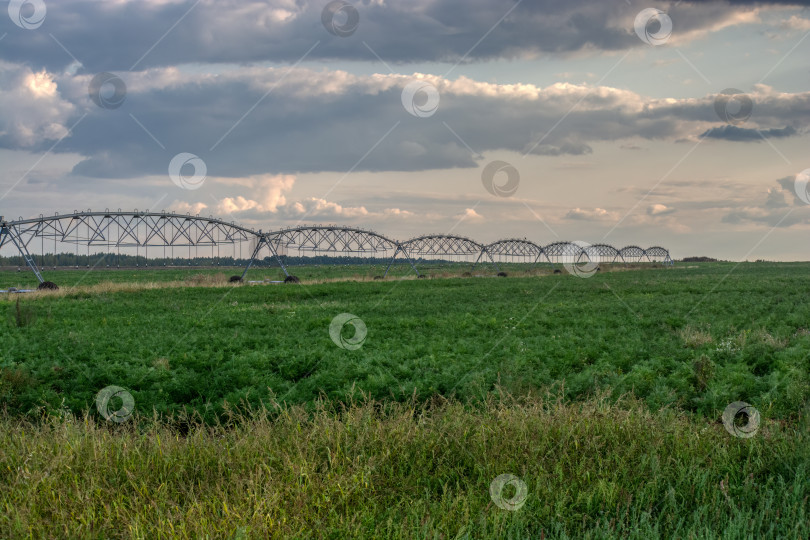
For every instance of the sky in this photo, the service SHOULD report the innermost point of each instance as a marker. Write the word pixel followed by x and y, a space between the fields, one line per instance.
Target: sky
pixel 679 124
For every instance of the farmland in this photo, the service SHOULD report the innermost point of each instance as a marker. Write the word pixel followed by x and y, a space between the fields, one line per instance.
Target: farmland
pixel 697 338
pixel 604 394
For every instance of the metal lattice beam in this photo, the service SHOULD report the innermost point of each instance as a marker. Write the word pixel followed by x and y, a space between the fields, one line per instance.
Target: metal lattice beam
pixel 632 253
pixel 442 244
pixel 130 229
pixel 327 239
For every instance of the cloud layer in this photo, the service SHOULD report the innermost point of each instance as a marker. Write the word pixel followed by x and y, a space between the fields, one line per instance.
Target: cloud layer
pixel 137 34
pixel 253 121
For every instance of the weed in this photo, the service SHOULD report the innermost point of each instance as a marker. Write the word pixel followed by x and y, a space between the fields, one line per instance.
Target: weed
pixel 23 315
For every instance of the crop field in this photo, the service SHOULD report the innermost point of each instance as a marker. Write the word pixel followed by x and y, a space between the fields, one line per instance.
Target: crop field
pixel 248 418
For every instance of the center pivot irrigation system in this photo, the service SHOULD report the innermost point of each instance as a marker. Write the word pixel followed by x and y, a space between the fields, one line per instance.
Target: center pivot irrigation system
pixel 168 230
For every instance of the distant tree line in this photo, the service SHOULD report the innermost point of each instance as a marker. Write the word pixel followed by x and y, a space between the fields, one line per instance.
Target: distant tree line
pixel 116 259
pixel 698 259
pixel 103 260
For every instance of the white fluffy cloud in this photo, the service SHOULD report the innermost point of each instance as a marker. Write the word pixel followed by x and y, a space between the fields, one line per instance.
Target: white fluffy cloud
pixel 469 214
pixel 590 214
pixel 795 23
pixel 32 111
pixel 268 192
pixel 259 197
pixel 183 207
pixel 318 208
pixel 659 210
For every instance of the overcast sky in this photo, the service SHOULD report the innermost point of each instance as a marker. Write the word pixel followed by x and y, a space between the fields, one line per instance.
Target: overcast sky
pixel 681 124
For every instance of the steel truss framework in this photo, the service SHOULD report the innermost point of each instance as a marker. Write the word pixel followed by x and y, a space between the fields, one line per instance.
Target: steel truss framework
pixel 167 229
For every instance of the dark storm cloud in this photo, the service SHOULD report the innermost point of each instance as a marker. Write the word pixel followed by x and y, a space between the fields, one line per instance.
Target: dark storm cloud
pixel 776 199
pixel 738 134
pixel 289 130
pixel 768 2
pixel 788 185
pixel 120 36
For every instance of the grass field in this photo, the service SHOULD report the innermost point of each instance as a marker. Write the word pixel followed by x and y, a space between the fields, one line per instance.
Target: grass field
pixel 603 395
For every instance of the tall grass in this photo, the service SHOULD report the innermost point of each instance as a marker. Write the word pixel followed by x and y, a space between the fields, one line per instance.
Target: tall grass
pixel 594 469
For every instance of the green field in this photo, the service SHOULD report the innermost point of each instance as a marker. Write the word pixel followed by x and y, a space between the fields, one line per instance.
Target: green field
pixel 603 394
pixel 694 337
